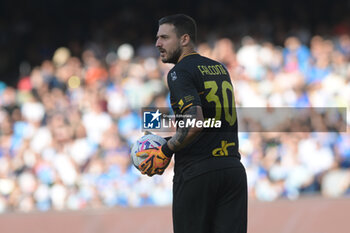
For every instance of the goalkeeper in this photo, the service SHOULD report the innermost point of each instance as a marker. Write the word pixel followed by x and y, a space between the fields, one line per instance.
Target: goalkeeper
pixel 210 186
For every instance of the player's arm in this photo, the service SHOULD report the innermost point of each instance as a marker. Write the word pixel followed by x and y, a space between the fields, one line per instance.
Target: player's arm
pixel 185 135
pixel 187 100
pixel 159 158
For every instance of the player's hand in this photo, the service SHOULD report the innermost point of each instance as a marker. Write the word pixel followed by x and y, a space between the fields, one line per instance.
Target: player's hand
pixel 155 163
pixel 147 132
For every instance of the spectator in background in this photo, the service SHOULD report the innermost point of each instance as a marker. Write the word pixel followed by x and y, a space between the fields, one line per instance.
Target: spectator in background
pixel 295 55
pixel 248 57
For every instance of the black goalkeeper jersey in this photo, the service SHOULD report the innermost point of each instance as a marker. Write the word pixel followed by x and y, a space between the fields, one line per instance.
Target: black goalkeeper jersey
pixel 197 80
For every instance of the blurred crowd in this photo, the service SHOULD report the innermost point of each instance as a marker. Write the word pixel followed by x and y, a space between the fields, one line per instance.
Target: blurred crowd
pixel 67 127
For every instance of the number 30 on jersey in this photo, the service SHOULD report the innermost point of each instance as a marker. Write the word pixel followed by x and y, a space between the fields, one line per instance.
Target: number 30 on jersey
pixel 228 109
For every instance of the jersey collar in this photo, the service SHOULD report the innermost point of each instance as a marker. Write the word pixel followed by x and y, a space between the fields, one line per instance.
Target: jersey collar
pixel 187 56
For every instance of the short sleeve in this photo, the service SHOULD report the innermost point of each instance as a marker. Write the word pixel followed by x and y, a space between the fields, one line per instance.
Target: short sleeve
pixel 183 91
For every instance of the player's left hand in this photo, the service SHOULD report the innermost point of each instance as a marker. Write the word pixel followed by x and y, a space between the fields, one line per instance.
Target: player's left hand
pixel 155 163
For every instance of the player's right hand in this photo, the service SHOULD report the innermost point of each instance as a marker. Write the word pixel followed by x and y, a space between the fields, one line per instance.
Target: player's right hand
pixel 155 163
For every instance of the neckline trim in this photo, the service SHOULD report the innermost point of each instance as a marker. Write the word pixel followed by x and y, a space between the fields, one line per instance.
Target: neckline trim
pixel 187 56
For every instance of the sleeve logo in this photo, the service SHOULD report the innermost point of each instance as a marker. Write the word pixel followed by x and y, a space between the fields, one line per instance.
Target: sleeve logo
pixel 173 76
pixel 181 104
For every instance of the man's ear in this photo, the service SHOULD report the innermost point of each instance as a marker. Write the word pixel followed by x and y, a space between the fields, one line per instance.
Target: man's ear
pixel 185 39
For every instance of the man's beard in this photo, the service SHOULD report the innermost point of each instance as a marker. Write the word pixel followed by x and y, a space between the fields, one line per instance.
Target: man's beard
pixel 174 56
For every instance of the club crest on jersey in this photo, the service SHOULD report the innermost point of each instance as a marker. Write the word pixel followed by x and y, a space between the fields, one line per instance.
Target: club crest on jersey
pixel 173 76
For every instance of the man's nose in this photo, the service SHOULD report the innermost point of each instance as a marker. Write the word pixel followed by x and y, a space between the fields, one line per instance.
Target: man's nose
pixel 158 43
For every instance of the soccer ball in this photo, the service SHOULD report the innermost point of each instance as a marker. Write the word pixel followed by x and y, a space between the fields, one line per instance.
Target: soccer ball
pixel 145 142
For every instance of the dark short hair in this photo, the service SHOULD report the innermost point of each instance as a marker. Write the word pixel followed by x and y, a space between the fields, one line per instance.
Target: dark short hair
pixel 183 24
